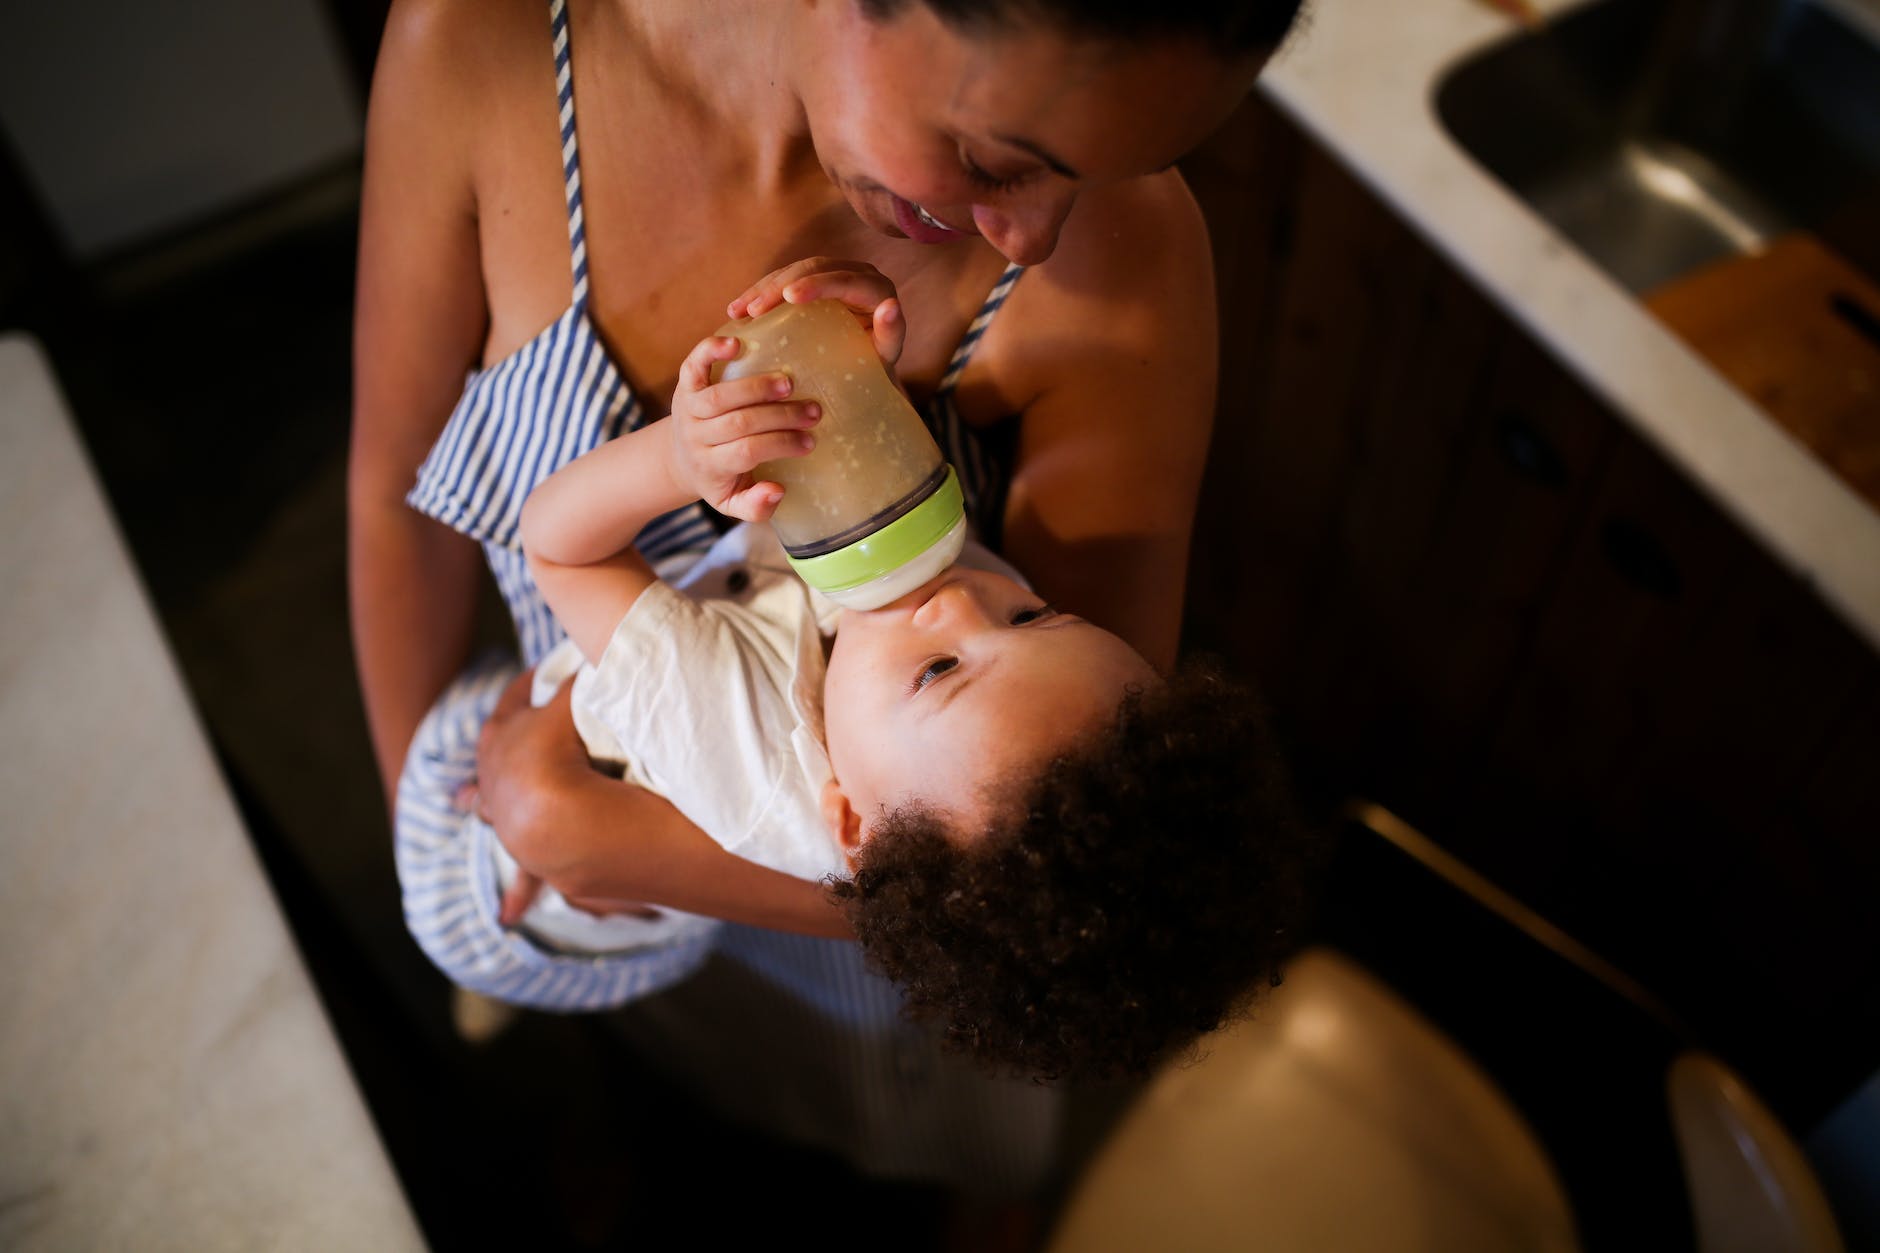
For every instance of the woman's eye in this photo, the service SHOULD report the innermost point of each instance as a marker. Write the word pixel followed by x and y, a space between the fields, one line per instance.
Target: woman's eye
pixel 1032 615
pixel 931 671
pixel 985 178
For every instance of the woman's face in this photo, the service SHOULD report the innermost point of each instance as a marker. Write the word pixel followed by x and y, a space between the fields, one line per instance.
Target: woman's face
pixel 938 136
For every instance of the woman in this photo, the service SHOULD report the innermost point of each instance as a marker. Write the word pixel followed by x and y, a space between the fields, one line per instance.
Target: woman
pixel 939 144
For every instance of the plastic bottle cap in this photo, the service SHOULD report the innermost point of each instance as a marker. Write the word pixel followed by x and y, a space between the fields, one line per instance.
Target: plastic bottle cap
pixel 922 530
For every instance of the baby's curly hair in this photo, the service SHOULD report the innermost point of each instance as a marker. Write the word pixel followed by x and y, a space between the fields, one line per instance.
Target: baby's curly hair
pixel 1136 893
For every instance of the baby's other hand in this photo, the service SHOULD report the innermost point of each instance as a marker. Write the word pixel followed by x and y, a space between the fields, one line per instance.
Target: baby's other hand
pixel 721 432
pixel 857 284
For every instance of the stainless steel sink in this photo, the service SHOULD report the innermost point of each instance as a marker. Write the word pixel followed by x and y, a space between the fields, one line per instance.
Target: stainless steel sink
pixel 1659 135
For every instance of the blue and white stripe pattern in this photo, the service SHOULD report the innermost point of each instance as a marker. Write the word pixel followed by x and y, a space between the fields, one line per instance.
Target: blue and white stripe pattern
pixel 980 458
pixel 447 875
pixel 570 157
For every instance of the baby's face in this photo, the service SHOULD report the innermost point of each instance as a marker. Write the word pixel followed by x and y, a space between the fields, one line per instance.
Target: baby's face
pixel 948 689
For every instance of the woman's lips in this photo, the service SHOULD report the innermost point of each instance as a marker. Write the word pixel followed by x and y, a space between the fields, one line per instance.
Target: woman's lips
pixel 918 229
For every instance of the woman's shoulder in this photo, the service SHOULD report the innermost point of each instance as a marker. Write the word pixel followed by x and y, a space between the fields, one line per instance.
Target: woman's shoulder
pixel 1124 245
pixel 463 104
pixel 465 54
pixel 1132 276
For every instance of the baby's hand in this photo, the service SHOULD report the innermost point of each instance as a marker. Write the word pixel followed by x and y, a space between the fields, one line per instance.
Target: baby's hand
pixel 721 432
pixel 857 284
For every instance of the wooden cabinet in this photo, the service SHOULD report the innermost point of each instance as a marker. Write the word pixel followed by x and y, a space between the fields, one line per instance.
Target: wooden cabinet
pixel 1473 594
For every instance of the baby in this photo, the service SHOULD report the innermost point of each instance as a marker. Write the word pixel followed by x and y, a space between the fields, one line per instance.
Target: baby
pixel 1070 863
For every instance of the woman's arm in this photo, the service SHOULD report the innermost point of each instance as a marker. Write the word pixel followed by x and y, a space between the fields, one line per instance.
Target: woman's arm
pixel 419 325
pixel 1110 350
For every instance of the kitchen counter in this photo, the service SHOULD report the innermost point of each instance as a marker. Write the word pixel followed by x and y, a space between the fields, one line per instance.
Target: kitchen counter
pixel 170 1080
pixel 1360 77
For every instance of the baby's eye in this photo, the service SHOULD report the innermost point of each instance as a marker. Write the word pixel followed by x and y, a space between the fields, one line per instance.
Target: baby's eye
pixel 931 671
pixel 1032 615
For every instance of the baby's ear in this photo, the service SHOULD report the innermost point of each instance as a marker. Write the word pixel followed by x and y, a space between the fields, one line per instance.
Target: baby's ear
pixel 843 822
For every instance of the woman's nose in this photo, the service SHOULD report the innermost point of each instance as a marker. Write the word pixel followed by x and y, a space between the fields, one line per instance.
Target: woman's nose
pixel 1025 232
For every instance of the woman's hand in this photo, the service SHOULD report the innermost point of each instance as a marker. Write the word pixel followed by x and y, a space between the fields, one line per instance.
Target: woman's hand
pixel 721 432
pixel 526 759
pixel 857 284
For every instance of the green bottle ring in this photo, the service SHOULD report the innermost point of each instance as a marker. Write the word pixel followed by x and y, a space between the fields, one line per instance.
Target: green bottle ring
pixel 890 548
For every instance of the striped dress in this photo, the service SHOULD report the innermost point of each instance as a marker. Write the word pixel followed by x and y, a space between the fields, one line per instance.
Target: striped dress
pixel 789 1033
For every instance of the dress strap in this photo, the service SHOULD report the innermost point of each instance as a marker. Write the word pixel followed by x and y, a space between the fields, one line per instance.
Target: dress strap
pixel 570 156
pixel 976 331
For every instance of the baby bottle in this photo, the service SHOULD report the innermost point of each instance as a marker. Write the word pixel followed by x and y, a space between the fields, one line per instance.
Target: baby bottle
pixel 872 511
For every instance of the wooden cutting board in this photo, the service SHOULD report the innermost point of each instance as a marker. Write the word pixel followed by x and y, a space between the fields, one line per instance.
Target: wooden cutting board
pixel 1797 329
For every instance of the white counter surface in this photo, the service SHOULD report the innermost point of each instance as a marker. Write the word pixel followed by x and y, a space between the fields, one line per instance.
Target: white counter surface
pixel 167 1077
pixel 1361 77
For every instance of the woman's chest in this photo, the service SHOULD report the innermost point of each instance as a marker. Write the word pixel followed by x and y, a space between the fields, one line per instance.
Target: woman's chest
pixel 663 232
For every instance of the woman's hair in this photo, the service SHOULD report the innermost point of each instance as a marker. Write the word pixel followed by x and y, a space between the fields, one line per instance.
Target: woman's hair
pixel 1230 27
pixel 1135 894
